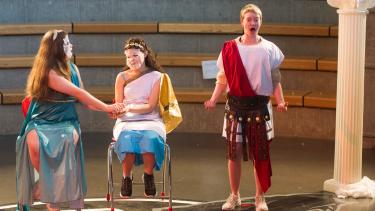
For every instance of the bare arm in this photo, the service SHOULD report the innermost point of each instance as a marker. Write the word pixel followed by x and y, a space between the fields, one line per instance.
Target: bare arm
pixel 279 97
pixel 61 84
pixel 119 95
pixel 119 88
pixel 218 91
pixel 220 87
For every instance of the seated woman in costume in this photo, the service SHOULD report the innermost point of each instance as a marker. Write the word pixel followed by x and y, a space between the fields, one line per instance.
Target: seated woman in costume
pixel 140 131
pixel 50 164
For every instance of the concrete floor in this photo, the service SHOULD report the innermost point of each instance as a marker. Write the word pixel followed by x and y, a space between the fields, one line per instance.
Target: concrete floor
pixel 199 167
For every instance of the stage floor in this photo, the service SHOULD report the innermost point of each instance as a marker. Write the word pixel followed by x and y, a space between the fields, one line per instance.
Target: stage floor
pixel 199 174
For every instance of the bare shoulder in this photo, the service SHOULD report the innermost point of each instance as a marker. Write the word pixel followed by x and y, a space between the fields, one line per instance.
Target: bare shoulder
pixel 122 75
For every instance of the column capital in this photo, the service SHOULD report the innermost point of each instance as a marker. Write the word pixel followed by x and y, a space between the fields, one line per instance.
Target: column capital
pixel 352 4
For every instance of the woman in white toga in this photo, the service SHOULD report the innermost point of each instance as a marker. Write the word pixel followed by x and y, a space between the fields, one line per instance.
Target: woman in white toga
pixel 140 132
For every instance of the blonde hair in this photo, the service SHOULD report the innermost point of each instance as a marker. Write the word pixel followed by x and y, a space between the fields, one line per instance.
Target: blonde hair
pixel 50 55
pixel 250 8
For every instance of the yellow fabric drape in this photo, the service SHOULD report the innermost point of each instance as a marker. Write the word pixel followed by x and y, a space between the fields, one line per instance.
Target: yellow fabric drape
pixel 168 105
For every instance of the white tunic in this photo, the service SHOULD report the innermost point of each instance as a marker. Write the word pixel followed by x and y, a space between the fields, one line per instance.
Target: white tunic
pixel 138 92
pixel 259 60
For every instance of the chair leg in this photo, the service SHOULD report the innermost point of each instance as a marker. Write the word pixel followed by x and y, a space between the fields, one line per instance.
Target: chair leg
pixel 165 163
pixel 110 188
pixel 169 177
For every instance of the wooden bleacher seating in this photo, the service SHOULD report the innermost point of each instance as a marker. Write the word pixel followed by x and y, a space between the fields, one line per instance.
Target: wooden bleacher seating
pixel 299 63
pixel 184 95
pixel 327 64
pixel 170 60
pixel 295 98
pixel 320 100
pixel 295 30
pixel 200 28
pixel 105 94
pixel 266 29
pixel 8 61
pixel 11 96
pixel 113 27
pixel 183 60
pixel 192 95
pixel 32 29
pixel 154 27
pixel 99 60
pixel 334 31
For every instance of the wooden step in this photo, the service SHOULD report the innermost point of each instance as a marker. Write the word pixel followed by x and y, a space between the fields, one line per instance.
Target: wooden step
pixel 112 27
pixel 295 30
pixel 15 96
pixel 183 60
pixel 292 97
pixel 184 95
pixel 299 63
pixel 200 28
pixel 315 30
pixel 32 29
pixel 11 96
pixel 327 64
pixel 266 29
pixel 170 60
pixel 320 100
pixel 334 31
pixel 195 95
pixel 105 94
pixel 100 60
pixel 7 62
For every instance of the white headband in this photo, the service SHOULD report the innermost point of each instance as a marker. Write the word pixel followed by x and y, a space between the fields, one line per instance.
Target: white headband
pixel 134 45
pixel 55 32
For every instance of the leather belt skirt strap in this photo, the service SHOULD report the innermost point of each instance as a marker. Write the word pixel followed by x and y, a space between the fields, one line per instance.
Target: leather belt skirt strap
pixel 251 114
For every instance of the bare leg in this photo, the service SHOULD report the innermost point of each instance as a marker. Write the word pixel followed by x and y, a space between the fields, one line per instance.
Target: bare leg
pixel 75 137
pixel 234 170
pixel 260 201
pixel 258 187
pixel 127 164
pixel 149 162
pixel 32 141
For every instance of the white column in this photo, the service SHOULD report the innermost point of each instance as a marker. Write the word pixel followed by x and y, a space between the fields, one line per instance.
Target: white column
pixel 350 92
